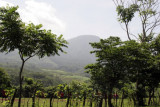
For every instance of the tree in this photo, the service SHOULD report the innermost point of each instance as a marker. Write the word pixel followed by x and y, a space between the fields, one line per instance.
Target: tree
pixel 84 93
pixel 30 40
pixel 154 79
pixel 75 89
pixel 67 88
pixel 141 54
pixel 139 61
pixel 124 62
pixel 51 91
pixel 31 87
pixel 110 66
pixel 98 81
pixel 147 12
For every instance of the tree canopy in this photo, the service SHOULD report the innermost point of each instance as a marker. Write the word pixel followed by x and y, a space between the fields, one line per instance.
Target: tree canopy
pixel 29 39
pixel 146 11
pixel 120 63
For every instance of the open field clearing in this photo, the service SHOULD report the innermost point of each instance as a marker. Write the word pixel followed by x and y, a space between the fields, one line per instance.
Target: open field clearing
pixel 44 102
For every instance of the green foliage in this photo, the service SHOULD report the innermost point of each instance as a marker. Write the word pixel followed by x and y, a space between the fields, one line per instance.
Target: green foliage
pixel 4 79
pixel 42 42
pixel 126 14
pixel 29 39
pixel 51 91
pixel 47 77
pixel 11 29
pixel 122 64
pixel 108 70
pixel 155 44
pixel 148 14
pixel 31 86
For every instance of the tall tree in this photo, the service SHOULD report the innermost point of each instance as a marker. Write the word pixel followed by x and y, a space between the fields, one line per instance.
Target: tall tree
pixel 139 61
pixel 141 56
pixel 123 61
pixel 154 79
pixel 109 69
pixel 147 12
pixel 30 40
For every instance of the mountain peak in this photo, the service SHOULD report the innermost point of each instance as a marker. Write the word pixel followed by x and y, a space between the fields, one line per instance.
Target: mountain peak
pixel 85 37
pixel 78 53
pixel 77 57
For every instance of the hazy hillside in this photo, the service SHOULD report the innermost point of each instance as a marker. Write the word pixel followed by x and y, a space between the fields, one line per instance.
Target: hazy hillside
pixel 78 55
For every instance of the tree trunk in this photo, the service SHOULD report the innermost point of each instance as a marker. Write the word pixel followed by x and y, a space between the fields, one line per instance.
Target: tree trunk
pixel 68 98
pixel 105 99
pixel 140 100
pixel 139 92
pixel 90 104
pixel 84 100
pixel 13 98
pixel 110 99
pixel 100 102
pixel 20 83
pixel 127 30
pixel 116 98
pixel 76 102
pixel 96 98
pixel 51 101
pixel 144 32
pixel 134 99
pixel 150 97
pixel 153 97
pixel 67 104
pixel 33 99
pixel 122 98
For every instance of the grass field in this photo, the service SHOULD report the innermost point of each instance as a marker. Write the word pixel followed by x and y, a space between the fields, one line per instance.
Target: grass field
pixel 44 102
pixel 27 102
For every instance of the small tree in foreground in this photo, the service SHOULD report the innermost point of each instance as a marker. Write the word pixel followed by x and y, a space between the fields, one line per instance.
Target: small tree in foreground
pixel 30 40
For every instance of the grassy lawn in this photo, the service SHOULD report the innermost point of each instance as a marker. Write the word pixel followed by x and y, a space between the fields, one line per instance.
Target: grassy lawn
pixel 44 102
pixel 39 102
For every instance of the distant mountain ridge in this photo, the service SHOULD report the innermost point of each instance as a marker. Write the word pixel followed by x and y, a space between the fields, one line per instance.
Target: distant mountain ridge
pixel 78 55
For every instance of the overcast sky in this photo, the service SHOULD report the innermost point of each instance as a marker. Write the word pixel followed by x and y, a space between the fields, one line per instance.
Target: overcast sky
pixel 72 17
